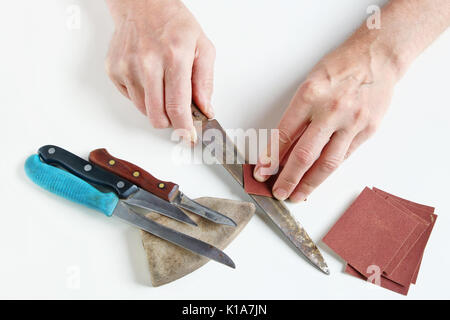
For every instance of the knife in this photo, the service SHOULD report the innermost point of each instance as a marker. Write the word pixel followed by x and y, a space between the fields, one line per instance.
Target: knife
pixel 69 186
pixel 165 190
pixel 130 193
pixel 276 210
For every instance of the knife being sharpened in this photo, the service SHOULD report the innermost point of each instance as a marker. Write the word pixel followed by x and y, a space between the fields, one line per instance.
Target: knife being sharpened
pixel 71 187
pixel 130 193
pixel 273 208
pixel 165 190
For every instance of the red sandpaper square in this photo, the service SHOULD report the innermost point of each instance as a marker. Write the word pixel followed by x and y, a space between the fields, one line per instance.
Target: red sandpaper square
pixel 383 282
pixel 252 186
pixel 416 273
pixel 370 232
pixel 422 225
pixel 409 204
pixel 409 267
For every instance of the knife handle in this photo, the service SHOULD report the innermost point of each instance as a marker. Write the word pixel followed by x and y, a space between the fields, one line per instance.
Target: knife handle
pixel 162 189
pixel 65 184
pixel 86 170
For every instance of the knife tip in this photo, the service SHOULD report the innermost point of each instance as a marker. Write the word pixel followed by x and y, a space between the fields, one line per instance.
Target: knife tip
pixel 226 260
pixel 230 223
pixel 325 270
pixel 193 223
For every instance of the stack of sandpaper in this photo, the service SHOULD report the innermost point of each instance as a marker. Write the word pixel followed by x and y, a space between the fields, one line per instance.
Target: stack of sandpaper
pixel 382 238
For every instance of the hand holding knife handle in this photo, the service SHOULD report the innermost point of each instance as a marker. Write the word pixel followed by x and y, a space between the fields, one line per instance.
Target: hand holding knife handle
pixel 86 170
pixel 163 189
pixel 66 185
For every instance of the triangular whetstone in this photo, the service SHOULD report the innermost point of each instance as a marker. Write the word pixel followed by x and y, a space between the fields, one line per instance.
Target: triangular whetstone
pixel 168 262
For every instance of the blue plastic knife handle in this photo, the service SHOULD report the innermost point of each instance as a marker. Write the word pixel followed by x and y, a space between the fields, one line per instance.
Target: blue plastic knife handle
pixel 65 184
pixel 85 170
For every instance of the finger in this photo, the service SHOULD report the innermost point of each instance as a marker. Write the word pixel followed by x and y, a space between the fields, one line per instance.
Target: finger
pixel 331 157
pixel 154 99
pixel 359 139
pixel 178 97
pixel 203 77
pixel 136 93
pixel 292 124
pixel 303 156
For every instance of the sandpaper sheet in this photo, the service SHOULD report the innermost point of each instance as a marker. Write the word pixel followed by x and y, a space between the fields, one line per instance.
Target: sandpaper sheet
pixel 406 202
pixel 410 242
pixel 252 186
pixel 371 232
pixel 408 268
pixel 383 282
pixel 405 272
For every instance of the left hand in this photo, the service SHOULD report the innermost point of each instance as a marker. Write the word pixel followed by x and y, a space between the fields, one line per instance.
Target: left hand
pixel 337 108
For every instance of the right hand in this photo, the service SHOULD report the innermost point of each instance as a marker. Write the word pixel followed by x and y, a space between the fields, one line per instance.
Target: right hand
pixel 161 60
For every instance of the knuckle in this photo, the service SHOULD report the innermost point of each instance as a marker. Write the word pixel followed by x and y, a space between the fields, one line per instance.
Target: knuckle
pixel 371 128
pixel 158 122
pixel 303 156
pixel 306 186
pixel 207 84
pixel 325 128
pixel 175 54
pixel 287 182
pixel 174 109
pixel 284 136
pixel 312 90
pixel 361 115
pixel 340 104
pixel 124 69
pixel 330 164
pixel 149 60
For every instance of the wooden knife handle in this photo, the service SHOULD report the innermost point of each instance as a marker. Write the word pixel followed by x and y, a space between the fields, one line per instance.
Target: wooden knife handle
pixel 163 189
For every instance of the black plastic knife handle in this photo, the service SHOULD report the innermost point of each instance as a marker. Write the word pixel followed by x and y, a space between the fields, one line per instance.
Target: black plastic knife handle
pixel 86 170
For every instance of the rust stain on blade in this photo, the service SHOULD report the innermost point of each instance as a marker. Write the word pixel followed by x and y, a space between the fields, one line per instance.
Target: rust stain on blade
pixel 293 230
pixel 276 210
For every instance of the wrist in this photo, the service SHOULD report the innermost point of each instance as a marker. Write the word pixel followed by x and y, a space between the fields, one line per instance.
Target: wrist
pixel 124 9
pixel 385 55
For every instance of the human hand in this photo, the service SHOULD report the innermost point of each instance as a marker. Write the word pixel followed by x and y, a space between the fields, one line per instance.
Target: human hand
pixel 337 108
pixel 344 98
pixel 160 59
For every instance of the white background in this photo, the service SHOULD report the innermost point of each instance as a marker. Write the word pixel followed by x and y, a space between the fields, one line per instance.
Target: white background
pixel 54 91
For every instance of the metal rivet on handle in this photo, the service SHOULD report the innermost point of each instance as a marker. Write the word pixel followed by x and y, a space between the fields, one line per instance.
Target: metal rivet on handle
pixel 87 167
pixel 161 185
pixel 120 184
pixel 136 174
pixel 51 150
pixel 111 162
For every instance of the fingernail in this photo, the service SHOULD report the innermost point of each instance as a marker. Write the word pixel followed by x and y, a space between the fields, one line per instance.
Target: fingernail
pixel 280 194
pixel 258 176
pixel 194 137
pixel 210 110
pixel 265 160
pixel 298 197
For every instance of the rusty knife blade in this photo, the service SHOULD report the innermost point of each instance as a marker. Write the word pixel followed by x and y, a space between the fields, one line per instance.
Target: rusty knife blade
pixel 274 209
